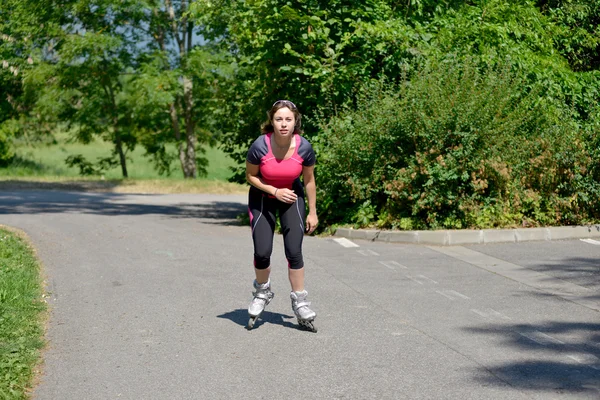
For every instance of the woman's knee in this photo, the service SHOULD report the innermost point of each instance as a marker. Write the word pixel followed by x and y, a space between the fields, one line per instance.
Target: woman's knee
pixel 295 261
pixel 262 262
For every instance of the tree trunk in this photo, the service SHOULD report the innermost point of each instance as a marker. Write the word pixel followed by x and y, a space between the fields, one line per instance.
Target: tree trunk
pixel 177 132
pixel 182 32
pixel 121 153
pixel 117 139
pixel 190 170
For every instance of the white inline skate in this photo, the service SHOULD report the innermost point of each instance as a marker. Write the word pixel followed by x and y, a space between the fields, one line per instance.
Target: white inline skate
pixel 305 315
pixel 262 297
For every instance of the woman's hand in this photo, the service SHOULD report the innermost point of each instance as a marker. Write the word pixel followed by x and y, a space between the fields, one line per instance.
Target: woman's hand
pixel 311 223
pixel 286 195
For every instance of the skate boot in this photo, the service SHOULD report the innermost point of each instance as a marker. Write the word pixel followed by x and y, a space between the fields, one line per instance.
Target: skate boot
pixel 305 315
pixel 262 296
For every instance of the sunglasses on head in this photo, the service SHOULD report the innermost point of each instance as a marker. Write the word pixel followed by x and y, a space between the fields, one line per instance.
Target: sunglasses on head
pixel 284 102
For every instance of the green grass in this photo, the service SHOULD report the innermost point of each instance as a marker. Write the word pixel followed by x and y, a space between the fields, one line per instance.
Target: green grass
pixel 48 160
pixel 42 166
pixel 22 315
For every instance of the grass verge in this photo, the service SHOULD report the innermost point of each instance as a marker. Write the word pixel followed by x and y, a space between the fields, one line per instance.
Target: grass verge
pixel 22 314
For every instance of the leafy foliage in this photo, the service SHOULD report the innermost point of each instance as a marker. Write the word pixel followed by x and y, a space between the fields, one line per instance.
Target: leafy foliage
pixel 312 52
pixel 418 95
pixel 453 147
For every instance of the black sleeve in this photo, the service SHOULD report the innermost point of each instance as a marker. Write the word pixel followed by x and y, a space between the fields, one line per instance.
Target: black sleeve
pixel 307 153
pixel 257 151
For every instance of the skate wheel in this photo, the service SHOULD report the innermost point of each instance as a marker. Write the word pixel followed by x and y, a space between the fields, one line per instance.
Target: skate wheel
pixel 251 322
pixel 308 325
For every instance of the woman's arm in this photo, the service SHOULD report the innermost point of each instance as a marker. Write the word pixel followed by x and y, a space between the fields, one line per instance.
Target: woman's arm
pixel 284 195
pixel 308 175
pixel 252 177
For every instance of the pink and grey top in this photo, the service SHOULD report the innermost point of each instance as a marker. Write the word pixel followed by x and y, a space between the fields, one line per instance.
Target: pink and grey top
pixel 280 173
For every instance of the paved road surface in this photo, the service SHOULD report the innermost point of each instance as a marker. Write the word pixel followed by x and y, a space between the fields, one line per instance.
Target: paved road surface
pixel 148 299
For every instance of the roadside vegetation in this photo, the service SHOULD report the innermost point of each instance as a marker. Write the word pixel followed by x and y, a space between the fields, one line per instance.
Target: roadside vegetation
pixel 22 315
pixel 425 114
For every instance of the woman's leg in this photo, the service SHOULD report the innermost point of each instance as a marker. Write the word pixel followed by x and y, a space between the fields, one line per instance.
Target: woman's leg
pixel 296 279
pixel 292 224
pixel 262 222
pixel 262 275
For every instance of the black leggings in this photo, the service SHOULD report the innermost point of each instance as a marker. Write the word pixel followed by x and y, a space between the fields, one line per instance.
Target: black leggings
pixel 262 209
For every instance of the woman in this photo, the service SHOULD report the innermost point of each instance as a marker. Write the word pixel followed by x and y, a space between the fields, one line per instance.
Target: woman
pixel 273 167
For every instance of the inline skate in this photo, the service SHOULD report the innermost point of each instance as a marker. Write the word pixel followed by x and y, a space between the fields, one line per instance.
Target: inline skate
pixel 262 297
pixel 305 315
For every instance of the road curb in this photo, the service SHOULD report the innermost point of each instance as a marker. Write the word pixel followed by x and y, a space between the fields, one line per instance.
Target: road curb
pixel 463 237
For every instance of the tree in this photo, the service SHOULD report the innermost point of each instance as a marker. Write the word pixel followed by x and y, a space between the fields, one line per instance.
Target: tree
pixel 315 53
pixel 25 27
pixel 84 79
pixel 179 74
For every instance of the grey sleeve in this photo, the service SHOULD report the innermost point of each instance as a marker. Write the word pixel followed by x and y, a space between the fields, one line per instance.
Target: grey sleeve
pixel 257 151
pixel 307 153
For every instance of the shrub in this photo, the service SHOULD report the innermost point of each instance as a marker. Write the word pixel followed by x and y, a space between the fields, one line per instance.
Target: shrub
pixel 455 145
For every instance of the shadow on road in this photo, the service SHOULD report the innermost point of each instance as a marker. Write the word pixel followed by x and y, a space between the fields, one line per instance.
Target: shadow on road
pixel 547 363
pixel 582 271
pixel 240 317
pixel 114 204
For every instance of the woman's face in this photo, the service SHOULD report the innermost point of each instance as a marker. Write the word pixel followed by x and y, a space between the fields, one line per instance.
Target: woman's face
pixel 284 122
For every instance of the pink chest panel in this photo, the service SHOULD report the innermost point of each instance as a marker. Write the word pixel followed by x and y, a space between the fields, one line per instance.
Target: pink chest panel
pixel 281 173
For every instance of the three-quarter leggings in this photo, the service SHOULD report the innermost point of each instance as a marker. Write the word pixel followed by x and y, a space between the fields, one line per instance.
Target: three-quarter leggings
pixel 262 209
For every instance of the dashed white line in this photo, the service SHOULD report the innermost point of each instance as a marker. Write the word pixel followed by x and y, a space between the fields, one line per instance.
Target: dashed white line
pixel 480 313
pixel 345 242
pixel 414 279
pixel 591 241
pixel 427 279
pixel 540 338
pixel 392 264
pixel 499 314
pixel 567 290
pixel 367 252
pixel 490 313
pixel 452 294
pixel 589 360
pixel 445 295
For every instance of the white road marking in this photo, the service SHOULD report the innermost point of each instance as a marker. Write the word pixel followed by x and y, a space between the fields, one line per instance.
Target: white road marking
pixel 452 294
pixel 591 241
pixel 427 279
pixel 345 242
pixel 499 314
pixel 540 338
pixel 414 279
pixel 367 252
pixel 586 359
pixel 490 313
pixel 392 264
pixel 445 295
pixel 558 287
pixel 480 313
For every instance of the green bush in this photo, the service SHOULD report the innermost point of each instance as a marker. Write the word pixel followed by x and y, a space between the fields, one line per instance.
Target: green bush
pixel 454 146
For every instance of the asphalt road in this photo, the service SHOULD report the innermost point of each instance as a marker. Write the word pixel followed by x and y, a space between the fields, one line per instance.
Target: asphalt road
pixel 148 297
